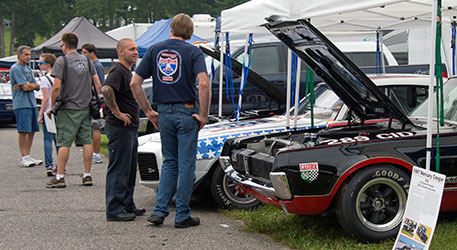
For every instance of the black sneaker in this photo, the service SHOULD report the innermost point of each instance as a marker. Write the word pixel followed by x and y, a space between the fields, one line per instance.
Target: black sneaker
pixel 137 211
pixel 50 172
pixel 156 219
pixel 124 216
pixel 87 181
pixel 189 222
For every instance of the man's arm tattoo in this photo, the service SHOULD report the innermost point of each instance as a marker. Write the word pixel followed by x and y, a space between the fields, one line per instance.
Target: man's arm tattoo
pixel 110 99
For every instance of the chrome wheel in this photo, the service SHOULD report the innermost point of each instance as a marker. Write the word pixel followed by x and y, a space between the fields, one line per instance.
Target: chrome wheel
pixel 236 192
pixel 380 204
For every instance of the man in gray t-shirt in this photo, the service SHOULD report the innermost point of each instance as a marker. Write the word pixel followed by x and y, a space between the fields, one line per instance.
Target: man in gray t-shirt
pixel 77 85
pixel 73 83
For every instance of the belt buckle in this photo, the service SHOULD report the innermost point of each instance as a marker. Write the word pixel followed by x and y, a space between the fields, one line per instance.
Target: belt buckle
pixel 188 105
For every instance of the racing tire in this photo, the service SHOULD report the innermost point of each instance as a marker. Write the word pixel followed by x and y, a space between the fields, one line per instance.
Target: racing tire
pixel 371 205
pixel 226 192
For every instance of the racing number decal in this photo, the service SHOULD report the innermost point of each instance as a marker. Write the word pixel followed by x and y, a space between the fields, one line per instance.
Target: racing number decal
pixel 346 140
pixel 382 136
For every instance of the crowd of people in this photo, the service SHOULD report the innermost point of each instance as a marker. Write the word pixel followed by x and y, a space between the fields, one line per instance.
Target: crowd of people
pixel 68 86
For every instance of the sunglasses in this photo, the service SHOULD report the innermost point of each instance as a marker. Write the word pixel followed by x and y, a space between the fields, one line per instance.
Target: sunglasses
pixel 40 63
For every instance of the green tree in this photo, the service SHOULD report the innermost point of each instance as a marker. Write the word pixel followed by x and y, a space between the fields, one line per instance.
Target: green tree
pixel 32 18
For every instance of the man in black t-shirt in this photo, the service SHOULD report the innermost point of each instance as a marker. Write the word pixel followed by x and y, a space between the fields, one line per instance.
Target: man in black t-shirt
pixel 121 126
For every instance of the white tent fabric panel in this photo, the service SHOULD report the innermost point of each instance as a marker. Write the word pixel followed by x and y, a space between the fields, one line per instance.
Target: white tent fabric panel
pixel 335 15
pixel 132 31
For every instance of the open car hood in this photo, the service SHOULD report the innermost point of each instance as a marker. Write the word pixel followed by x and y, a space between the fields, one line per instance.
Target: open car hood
pixel 356 90
pixel 271 90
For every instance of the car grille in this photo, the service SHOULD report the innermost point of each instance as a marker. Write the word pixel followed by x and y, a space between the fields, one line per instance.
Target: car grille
pixel 260 165
pixel 252 163
pixel 148 167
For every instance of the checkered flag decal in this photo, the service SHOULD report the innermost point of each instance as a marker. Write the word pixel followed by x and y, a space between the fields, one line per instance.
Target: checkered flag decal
pixel 309 171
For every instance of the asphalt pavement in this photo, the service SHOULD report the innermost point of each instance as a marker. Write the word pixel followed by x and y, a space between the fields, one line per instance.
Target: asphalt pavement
pixel 35 217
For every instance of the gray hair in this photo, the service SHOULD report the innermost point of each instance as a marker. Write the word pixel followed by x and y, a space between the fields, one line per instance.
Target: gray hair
pixel 21 48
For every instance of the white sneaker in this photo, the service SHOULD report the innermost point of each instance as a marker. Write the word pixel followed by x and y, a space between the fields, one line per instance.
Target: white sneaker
pixel 37 162
pixel 97 159
pixel 27 163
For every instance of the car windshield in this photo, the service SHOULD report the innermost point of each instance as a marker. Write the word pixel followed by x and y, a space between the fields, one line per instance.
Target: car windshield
pixel 450 103
pixel 326 104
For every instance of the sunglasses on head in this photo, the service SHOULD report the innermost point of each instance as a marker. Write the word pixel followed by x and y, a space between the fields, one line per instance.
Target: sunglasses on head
pixel 39 63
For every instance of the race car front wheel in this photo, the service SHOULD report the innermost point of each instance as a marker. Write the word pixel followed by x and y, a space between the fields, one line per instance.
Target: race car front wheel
pixel 229 194
pixel 370 206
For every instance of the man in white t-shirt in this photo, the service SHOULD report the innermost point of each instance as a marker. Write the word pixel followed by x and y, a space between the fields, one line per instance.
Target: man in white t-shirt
pixel 46 63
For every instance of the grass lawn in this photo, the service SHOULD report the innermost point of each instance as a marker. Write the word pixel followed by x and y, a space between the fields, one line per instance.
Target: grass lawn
pixel 104 145
pixel 324 232
pixel 7 34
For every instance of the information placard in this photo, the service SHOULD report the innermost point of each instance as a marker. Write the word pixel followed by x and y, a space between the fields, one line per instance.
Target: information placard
pixel 422 208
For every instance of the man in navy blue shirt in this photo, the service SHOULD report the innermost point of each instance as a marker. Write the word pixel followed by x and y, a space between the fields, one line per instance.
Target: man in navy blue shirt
pixel 89 50
pixel 174 66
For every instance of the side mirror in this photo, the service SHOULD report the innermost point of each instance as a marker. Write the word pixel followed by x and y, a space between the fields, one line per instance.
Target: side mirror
pixel 411 97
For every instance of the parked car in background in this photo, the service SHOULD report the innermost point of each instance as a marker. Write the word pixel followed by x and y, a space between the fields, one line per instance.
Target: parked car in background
pixel 360 168
pixel 268 60
pixel 6 102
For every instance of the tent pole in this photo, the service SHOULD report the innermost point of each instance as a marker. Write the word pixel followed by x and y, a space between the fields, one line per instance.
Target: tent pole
pixel 297 91
pixel 446 51
pixel 221 73
pixel 431 96
pixel 381 41
pixel 289 80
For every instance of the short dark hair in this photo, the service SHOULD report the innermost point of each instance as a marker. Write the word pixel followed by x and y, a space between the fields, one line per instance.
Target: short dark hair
pixel 121 43
pixel 70 39
pixel 21 48
pixel 49 58
pixel 90 48
pixel 182 26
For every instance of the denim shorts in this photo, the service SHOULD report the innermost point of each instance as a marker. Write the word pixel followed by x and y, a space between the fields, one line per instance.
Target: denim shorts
pixel 27 120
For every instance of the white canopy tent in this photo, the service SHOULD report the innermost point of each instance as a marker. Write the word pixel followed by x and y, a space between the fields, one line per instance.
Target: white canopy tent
pixel 132 31
pixel 335 15
pixel 338 15
pixel 331 16
pixel 348 15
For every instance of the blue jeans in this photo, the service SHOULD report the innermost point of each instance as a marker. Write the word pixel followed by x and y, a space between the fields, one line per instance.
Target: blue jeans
pixel 179 134
pixel 121 173
pixel 48 138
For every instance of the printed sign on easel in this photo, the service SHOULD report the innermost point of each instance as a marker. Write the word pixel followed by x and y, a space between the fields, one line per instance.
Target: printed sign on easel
pixel 422 208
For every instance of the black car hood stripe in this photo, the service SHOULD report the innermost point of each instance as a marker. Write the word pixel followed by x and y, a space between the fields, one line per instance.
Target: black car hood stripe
pixel 275 93
pixel 356 90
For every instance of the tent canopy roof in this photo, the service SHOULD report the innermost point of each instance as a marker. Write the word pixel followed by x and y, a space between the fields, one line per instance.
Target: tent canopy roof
pixel 87 33
pixel 158 32
pixel 335 15
pixel 132 31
